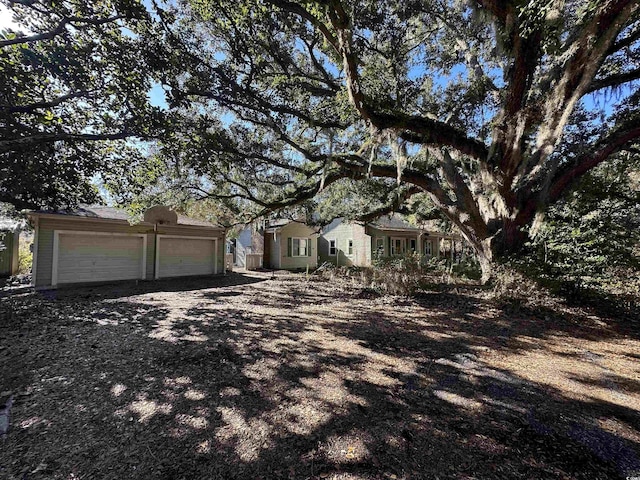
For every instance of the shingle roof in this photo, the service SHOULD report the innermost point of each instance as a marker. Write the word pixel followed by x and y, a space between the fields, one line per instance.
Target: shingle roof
pixel 393 222
pixel 112 213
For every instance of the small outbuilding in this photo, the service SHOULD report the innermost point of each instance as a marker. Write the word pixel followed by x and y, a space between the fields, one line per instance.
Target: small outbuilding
pixel 99 244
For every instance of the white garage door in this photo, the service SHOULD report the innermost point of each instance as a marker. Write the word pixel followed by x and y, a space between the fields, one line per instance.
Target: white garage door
pixel 97 258
pixel 182 256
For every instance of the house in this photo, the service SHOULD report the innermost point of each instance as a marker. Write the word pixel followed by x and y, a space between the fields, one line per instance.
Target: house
pixel 290 245
pixel 98 244
pixel 9 242
pixel 351 243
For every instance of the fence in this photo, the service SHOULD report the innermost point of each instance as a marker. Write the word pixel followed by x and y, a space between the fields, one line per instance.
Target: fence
pixel 253 261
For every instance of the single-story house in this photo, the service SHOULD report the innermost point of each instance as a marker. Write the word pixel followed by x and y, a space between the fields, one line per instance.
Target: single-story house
pixel 353 243
pixel 99 244
pixel 9 242
pixel 290 245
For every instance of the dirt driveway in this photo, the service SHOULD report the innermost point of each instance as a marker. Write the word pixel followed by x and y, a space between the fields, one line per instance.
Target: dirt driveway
pixel 254 376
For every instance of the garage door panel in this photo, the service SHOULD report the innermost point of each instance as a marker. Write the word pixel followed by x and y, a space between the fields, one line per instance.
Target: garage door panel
pixel 179 257
pixel 94 258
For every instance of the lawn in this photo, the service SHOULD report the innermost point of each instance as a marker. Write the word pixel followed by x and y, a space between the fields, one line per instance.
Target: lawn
pixel 255 376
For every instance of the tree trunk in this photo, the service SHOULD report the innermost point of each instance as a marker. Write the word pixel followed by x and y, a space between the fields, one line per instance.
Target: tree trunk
pixel 506 239
pixel 486 266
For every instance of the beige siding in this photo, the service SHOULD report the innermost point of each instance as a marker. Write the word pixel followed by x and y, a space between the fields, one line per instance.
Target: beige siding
pixel 342 232
pixel 48 225
pixel 297 230
pixel 45 257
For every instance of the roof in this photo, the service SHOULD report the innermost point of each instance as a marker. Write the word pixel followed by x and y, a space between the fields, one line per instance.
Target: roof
pixel 281 222
pixel 112 213
pixel 392 222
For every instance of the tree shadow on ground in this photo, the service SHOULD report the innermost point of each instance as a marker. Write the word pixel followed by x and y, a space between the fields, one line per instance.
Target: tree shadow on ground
pixel 291 379
pixel 131 288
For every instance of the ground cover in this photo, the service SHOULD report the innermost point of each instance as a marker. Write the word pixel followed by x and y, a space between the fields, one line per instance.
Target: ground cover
pixel 285 376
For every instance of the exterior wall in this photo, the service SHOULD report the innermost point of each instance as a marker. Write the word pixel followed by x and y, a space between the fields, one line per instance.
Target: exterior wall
pixel 297 230
pixel 387 236
pixel 274 249
pixel 342 232
pixel 46 227
pixel 374 233
pixel 9 253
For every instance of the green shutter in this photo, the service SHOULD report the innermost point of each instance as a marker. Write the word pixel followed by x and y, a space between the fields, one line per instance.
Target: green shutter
pixel 308 247
pixel 289 246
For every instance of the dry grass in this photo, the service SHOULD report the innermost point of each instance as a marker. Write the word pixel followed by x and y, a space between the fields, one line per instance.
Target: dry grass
pixel 252 377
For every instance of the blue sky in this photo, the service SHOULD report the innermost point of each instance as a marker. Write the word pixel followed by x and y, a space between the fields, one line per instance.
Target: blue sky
pixel 157 96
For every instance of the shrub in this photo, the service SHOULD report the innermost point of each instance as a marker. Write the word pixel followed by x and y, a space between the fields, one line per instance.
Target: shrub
pixel 25 258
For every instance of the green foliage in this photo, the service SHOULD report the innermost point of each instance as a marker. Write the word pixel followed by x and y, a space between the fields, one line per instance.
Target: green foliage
pixel 25 257
pixel 468 268
pixel 591 238
pixel 356 108
pixel 72 90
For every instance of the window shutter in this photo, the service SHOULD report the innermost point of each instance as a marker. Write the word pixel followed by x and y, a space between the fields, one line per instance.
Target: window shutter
pixel 289 246
pixel 308 247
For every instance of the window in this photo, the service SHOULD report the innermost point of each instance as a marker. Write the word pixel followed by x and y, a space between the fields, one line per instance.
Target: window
pixel 300 247
pixel 332 247
pixel 428 248
pixel 380 246
pixel 412 245
pixel 349 247
pixel 398 246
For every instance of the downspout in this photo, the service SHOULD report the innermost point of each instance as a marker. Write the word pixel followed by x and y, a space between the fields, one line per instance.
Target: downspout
pixel 155 250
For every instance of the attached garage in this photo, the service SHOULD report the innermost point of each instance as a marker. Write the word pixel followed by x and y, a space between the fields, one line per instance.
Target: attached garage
pixel 180 256
pixel 99 244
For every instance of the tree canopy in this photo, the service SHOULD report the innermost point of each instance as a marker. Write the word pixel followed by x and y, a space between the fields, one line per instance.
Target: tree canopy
pixel 490 109
pixel 73 87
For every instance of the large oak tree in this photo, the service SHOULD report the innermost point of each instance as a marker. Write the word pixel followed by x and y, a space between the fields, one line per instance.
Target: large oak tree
pixel 492 109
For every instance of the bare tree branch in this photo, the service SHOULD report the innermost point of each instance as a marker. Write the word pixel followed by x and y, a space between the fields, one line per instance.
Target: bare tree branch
pixel 614 80
pixel 21 142
pixel 49 104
